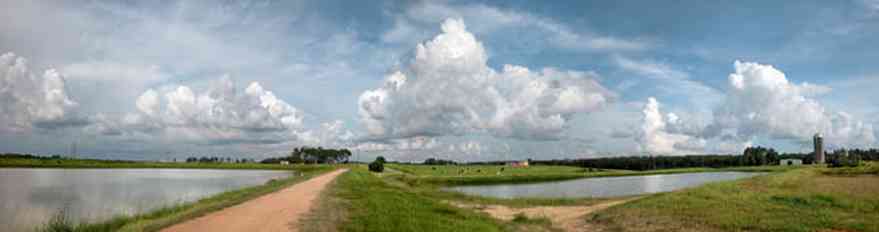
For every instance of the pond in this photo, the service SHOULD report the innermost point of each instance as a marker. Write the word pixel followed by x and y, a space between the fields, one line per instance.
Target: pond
pixel 601 186
pixel 30 197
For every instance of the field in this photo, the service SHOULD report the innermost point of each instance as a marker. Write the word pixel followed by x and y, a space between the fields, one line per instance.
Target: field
pixel 158 219
pixel 499 174
pixel 363 201
pixel 798 200
pixel 409 198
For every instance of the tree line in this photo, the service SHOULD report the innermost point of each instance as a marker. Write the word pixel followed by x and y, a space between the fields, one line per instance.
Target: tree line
pixel 318 155
pixel 751 156
pixel 206 159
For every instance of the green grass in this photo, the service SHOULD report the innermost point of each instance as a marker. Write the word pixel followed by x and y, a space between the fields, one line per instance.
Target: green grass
pixel 164 217
pixel 374 204
pixel 410 197
pixel 448 175
pixel 796 200
pixel 90 163
pixel 871 168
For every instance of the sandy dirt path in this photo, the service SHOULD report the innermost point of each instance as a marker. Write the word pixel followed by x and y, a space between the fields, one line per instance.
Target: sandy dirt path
pixel 278 211
pixel 567 218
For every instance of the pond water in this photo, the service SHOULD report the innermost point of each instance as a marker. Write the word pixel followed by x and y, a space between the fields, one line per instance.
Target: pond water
pixel 30 197
pixel 601 186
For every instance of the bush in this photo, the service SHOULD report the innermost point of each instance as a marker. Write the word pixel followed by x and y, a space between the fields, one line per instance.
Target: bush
pixel 376 166
pixel 844 160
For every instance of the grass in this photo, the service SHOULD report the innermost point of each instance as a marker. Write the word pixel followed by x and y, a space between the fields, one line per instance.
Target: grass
pixel 373 204
pixel 806 198
pixel 164 217
pixel 91 163
pixel 796 200
pixel 410 197
pixel 448 175
pixel 866 169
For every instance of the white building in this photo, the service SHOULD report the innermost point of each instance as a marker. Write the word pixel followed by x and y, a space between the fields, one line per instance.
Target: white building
pixel 790 162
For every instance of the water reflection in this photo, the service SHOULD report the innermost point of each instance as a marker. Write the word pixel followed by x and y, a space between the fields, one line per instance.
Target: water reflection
pixel 30 196
pixel 603 186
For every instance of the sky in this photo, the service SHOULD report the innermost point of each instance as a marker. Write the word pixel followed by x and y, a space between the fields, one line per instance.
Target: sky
pixel 410 80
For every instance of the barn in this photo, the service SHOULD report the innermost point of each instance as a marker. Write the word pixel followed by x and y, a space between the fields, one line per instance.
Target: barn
pixel 790 162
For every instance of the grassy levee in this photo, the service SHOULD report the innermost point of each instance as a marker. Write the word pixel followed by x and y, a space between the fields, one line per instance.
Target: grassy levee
pixel 867 168
pixel 164 217
pixel 91 163
pixel 797 200
pixel 448 175
pixel 372 203
pixel 410 197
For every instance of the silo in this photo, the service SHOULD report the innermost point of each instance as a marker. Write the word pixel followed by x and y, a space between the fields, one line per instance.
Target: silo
pixel 819 148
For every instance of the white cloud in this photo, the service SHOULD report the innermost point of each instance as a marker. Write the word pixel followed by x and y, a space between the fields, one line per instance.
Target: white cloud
pixel 112 71
pixel 30 100
pixel 671 81
pixel 221 114
pixel 654 138
pixel 448 89
pixel 761 101
pixel 487 19
pixel 148 103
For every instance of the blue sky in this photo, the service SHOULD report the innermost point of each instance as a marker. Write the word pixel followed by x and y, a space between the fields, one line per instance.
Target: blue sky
pixel 475 80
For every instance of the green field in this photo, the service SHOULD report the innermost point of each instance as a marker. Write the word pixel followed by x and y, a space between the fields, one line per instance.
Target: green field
pixel 500 174
pixel 409 198
pixel 797 200
pixel 364 201
pixel 161 218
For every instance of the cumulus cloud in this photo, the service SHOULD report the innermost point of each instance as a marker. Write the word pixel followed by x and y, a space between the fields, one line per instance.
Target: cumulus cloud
pixel 221 114
pixel 413 143
pixel 760 101
pixel 30 100
pixel 670 81
pixel 655 138
pixel 488 19
pixel 448 89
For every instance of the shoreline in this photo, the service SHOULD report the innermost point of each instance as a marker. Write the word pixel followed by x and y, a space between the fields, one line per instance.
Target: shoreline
pixel 157 219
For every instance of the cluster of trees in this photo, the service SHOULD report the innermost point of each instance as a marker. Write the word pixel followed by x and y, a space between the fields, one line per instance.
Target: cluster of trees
pixel 756 156
pixel 378 165
pixel 313 155
pixel 843 158
pixel 205 159
pixel 751 156
pixel 29 156
pixel 864 154
pixel 434 161
pixel 649 162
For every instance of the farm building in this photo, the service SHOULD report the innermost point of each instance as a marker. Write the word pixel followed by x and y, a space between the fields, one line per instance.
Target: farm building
pixel 284 162
pixel 789 162
pixel 519 164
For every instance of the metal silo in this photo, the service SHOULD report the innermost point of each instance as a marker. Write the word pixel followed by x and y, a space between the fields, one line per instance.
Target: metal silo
pixel 819 148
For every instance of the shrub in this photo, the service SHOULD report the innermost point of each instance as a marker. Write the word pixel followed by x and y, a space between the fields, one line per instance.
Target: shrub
pixel 376 166
pixel 846 160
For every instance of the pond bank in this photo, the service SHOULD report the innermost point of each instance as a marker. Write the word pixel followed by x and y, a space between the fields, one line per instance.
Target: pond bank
pixel 277 211
pixel 161 218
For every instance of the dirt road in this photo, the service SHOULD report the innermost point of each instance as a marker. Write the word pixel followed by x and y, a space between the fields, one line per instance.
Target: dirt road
pixel 278 211
pixel 567 218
